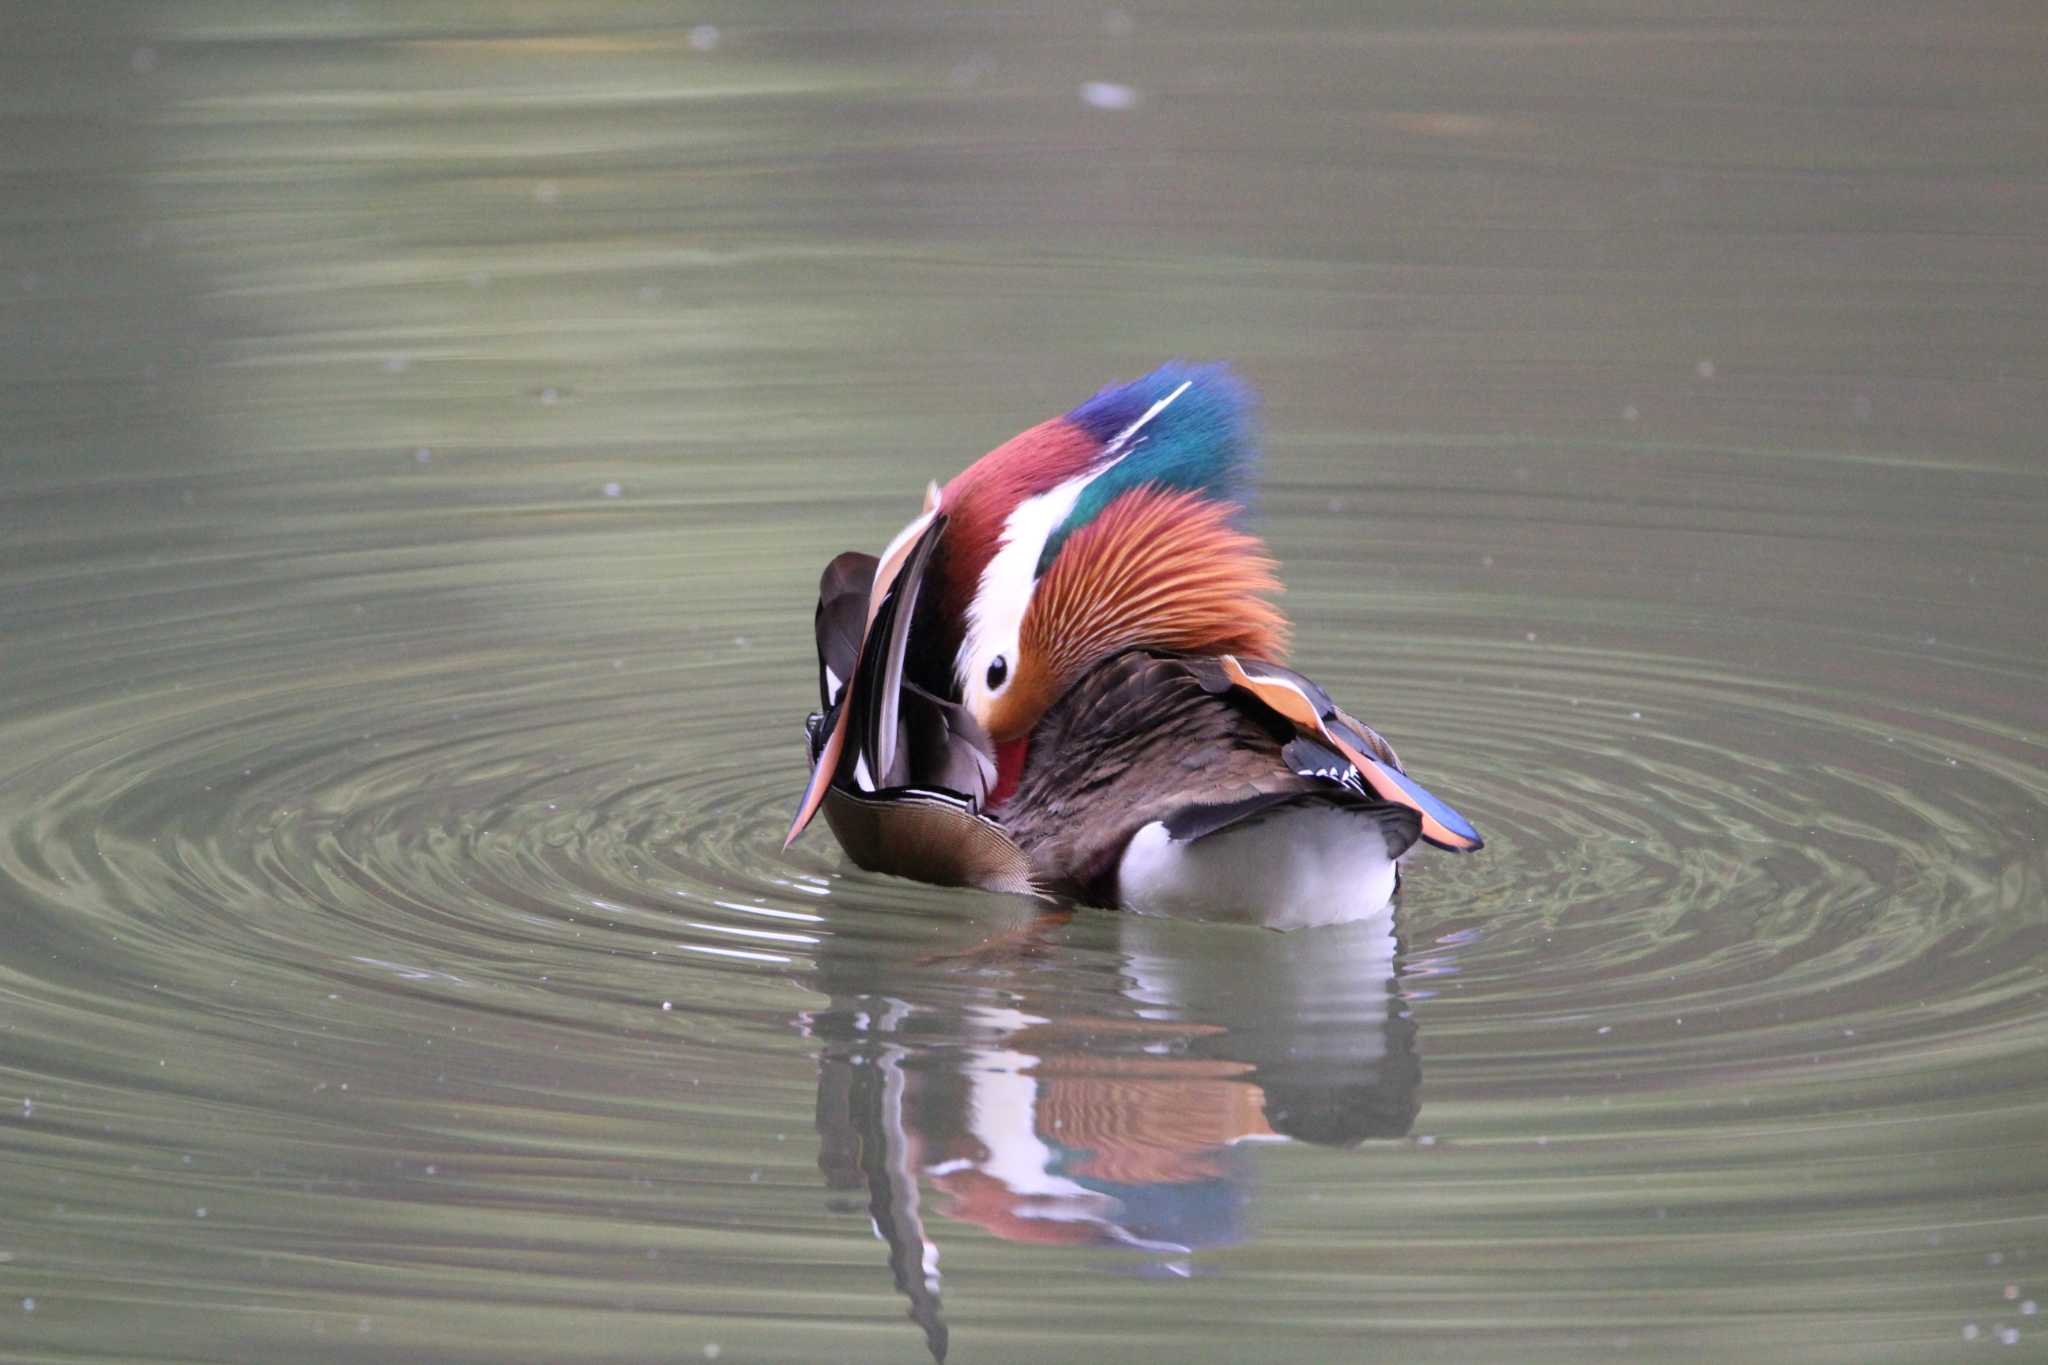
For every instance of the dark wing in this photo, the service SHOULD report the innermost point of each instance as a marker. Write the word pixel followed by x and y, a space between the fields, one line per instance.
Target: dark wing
pixel 908 770
pixel 851 716
pixel 938 743
pixel 842 620
pixel 1142 737
pixel 876 732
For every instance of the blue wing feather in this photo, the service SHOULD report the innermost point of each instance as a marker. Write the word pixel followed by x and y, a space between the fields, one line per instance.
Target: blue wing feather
pixel 1464 836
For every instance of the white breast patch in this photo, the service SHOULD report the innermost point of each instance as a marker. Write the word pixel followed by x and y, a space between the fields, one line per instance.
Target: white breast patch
pixel 1301 866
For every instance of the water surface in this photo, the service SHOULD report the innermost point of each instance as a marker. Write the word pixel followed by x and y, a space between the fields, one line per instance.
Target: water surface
pixel 423 429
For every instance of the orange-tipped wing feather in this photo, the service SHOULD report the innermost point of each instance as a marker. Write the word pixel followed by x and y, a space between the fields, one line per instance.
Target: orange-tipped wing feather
pixel 1441 825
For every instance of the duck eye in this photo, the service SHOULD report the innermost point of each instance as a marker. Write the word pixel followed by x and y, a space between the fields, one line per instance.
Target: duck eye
pixel 998 672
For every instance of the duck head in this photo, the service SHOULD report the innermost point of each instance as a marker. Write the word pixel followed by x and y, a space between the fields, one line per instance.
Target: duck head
pixel 1107 529
pixel 1110 528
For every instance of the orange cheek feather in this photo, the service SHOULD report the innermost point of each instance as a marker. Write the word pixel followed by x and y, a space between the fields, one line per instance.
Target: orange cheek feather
pixel 1030 692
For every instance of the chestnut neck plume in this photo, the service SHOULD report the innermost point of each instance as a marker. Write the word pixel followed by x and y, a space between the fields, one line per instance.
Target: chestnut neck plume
pixel 1154 570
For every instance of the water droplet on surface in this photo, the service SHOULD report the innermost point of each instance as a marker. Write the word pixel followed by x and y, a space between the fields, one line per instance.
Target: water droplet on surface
pixel 1108 95
pixel 704 37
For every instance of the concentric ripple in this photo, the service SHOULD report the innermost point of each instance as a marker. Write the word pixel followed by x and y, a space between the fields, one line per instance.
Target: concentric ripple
pixel 1731 871
pixel 450 920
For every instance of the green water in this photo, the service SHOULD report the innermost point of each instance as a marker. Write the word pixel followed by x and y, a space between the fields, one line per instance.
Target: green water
pixel 423 426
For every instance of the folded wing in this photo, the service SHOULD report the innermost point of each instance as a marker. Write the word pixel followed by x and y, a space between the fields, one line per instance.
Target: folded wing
pixel 1147 738
pixel 900 774
pixel 1315 717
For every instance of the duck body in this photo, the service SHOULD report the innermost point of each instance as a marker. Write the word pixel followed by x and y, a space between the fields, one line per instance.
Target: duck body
pixel 1157 785
pixel 1101 721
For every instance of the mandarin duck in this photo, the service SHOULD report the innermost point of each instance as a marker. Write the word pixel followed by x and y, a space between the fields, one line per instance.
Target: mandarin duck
pixel 1062 678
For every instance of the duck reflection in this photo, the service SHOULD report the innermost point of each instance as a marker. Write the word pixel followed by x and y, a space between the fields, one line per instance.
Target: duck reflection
pixel 1050 1093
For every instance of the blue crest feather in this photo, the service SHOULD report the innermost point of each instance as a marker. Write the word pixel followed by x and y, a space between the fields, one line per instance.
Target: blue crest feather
pixel 1202 442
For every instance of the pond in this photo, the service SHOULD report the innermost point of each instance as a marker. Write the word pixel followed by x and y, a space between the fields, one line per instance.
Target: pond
pixel 424 426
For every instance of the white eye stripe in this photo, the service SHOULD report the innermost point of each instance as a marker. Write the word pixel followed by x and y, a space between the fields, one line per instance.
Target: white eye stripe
pixel 996 615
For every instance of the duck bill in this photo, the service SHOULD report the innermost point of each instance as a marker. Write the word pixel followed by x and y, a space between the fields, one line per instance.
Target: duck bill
pixel 866 711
